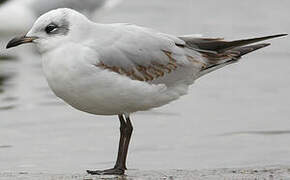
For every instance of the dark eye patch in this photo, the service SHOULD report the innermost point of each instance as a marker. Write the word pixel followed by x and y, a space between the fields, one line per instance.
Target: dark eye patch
pixel 50 28
pixel 60 27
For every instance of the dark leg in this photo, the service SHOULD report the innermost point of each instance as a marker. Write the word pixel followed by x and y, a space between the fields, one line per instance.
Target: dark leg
pixel 128 134
pixel 126 129
pixel 121 141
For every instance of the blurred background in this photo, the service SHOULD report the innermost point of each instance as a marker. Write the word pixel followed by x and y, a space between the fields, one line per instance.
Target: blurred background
pixel 237 116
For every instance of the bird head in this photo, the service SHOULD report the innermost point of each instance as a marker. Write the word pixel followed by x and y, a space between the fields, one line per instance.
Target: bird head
pixel 52 29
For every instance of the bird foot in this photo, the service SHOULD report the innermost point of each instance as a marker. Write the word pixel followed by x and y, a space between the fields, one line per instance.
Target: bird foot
pixel 112 171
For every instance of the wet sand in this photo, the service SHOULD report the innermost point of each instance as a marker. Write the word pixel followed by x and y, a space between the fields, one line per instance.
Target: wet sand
pixel 269 173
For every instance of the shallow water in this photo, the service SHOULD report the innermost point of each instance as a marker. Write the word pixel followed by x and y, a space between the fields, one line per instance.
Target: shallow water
pixel 235 117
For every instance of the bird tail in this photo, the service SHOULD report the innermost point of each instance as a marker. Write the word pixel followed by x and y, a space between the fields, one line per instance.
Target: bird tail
pixel 219 53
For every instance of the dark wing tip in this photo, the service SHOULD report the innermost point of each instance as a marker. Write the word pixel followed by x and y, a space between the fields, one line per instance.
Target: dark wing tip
pixel 277 35
pixel 247 49
pixel 285 34
pixel 265 45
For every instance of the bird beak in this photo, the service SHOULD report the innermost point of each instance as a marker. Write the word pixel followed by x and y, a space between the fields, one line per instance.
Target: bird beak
pixel 20 40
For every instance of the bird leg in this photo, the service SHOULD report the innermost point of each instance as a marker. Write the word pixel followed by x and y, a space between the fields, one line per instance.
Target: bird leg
pixel 128 133
pixel 126 130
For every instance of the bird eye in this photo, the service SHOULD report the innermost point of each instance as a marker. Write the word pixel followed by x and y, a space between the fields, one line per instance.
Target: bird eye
pixel 50 28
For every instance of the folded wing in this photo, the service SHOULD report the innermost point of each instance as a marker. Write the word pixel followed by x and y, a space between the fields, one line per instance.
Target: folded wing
pixel 219 53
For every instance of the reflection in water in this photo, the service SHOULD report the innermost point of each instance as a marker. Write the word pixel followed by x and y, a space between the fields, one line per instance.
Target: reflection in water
pixel 5 146
pixel 7 58
pixel 7 107
pixel 3 79
pixel 3 1
pixel 22 84
pixel 270 132
pixel 9 99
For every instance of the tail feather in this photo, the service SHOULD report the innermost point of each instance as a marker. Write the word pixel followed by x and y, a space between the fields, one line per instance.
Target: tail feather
pixel 219 45
pixel 219 53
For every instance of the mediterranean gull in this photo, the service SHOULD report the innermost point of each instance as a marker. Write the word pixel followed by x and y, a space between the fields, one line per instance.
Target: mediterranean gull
pixel 119 69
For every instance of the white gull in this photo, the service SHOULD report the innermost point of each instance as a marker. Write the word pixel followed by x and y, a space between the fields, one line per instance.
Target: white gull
pixel 119 69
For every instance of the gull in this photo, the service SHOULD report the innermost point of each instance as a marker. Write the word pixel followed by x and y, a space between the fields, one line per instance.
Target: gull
pixel 18 15
pixel 119 69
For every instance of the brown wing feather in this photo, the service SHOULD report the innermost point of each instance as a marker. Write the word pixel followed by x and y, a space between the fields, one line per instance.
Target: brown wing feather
pixel 145 73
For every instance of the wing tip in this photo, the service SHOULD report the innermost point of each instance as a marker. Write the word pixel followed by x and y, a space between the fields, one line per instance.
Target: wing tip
pixel 265 45
pixel 243 50
pixel 278 35
pixel 284 34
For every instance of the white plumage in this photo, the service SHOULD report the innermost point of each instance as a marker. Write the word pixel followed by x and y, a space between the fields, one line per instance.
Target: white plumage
pixel 81 81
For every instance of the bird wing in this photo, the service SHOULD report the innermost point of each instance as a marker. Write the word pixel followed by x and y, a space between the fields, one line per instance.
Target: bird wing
pixel 219 53
pixel 144 54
